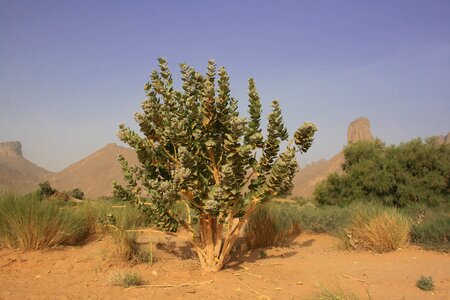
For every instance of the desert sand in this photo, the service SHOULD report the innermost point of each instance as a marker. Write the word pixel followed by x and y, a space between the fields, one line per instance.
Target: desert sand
pixel 84 272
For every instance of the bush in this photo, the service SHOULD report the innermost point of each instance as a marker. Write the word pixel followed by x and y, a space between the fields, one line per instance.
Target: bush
pixel 414 172
pixel 272 224
pixel 77 194
pixel 329 219
pixel 377 229
pixel 29 224
pixel 433 231
pixel 45 190
pixel 425 283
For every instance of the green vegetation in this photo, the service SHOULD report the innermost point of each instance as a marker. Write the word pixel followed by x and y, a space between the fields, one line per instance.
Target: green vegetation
pixel 324 219
pixel 433 231
pixel 29 224
pixel 195 149
pixel 272 224
pixel 77 194
pixel 425 283
pixel 413 172
pixel 127 279
pixel 45 190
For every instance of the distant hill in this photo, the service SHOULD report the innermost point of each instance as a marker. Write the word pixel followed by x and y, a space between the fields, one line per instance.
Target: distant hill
pixel 95 173
pixel 308 177
pixel 17 174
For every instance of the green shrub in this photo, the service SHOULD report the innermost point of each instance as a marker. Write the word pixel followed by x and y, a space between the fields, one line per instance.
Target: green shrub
pixel 272 224
pixel 77 194
pixel 433 231
pixel 413 172
pixel 376 228
pixel 45 190
pixel 425 283
pixel 329 219
pixel 29 224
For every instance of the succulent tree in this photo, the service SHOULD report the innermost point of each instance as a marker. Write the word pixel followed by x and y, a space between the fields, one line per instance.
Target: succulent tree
pixel 196 152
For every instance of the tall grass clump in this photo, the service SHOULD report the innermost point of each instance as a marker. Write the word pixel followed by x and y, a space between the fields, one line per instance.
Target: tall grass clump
pixel 119 220
pixel 30 224
pixel 272 224
pixel 376 228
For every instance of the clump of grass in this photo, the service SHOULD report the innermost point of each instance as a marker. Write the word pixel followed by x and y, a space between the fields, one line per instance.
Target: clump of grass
pixel 327 293
pixel 376 228
pixel 128 249
pixel 127 279
pixel 272 224
pixel 425 283
pixel 30 224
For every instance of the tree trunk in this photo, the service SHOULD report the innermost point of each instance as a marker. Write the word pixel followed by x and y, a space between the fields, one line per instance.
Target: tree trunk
pixel 215 245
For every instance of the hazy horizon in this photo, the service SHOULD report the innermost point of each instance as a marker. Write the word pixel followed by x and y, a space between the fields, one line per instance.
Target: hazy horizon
pixel 71 72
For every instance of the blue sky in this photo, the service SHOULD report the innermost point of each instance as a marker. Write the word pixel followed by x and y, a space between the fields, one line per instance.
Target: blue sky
pixel 71 71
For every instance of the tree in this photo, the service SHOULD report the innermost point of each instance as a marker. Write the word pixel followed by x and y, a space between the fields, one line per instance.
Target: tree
pixel 413 172
pixel 198 152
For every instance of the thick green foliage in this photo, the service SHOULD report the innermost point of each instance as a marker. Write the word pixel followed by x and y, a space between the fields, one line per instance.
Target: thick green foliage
pixel 413 172
pixel 196 148
pixel 45 190
pixel 77 194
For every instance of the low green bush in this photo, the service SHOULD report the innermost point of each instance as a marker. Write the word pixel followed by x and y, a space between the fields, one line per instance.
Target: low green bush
pixel 433 231
pixel 325 219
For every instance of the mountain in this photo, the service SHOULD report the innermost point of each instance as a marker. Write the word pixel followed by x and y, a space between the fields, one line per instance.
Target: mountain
pixel 95 173
pixel 18 174
pixel 308 177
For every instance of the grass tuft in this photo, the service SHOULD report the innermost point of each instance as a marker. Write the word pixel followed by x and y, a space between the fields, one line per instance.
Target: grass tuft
pixel 127 279
pixel 30 224
pixel 327 293
pixel 272 224
pixel 376 228
pixel 425 283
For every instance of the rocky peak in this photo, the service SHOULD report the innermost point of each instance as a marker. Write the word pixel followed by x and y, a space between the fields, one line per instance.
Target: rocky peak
pixel 11 149
pixel 359 130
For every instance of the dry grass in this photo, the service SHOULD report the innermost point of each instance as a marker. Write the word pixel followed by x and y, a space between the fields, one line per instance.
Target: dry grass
pixel 379 230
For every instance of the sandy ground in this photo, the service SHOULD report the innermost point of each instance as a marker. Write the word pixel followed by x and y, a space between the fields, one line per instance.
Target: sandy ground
pixel 293 272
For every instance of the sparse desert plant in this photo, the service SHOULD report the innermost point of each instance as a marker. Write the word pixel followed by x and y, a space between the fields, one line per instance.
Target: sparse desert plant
pixel 127 279
pixel 425 283
pixel 127 248
pixel 337 293
pixel 377 228
pixel 29 224
pixel 272 224
pixel 196 149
